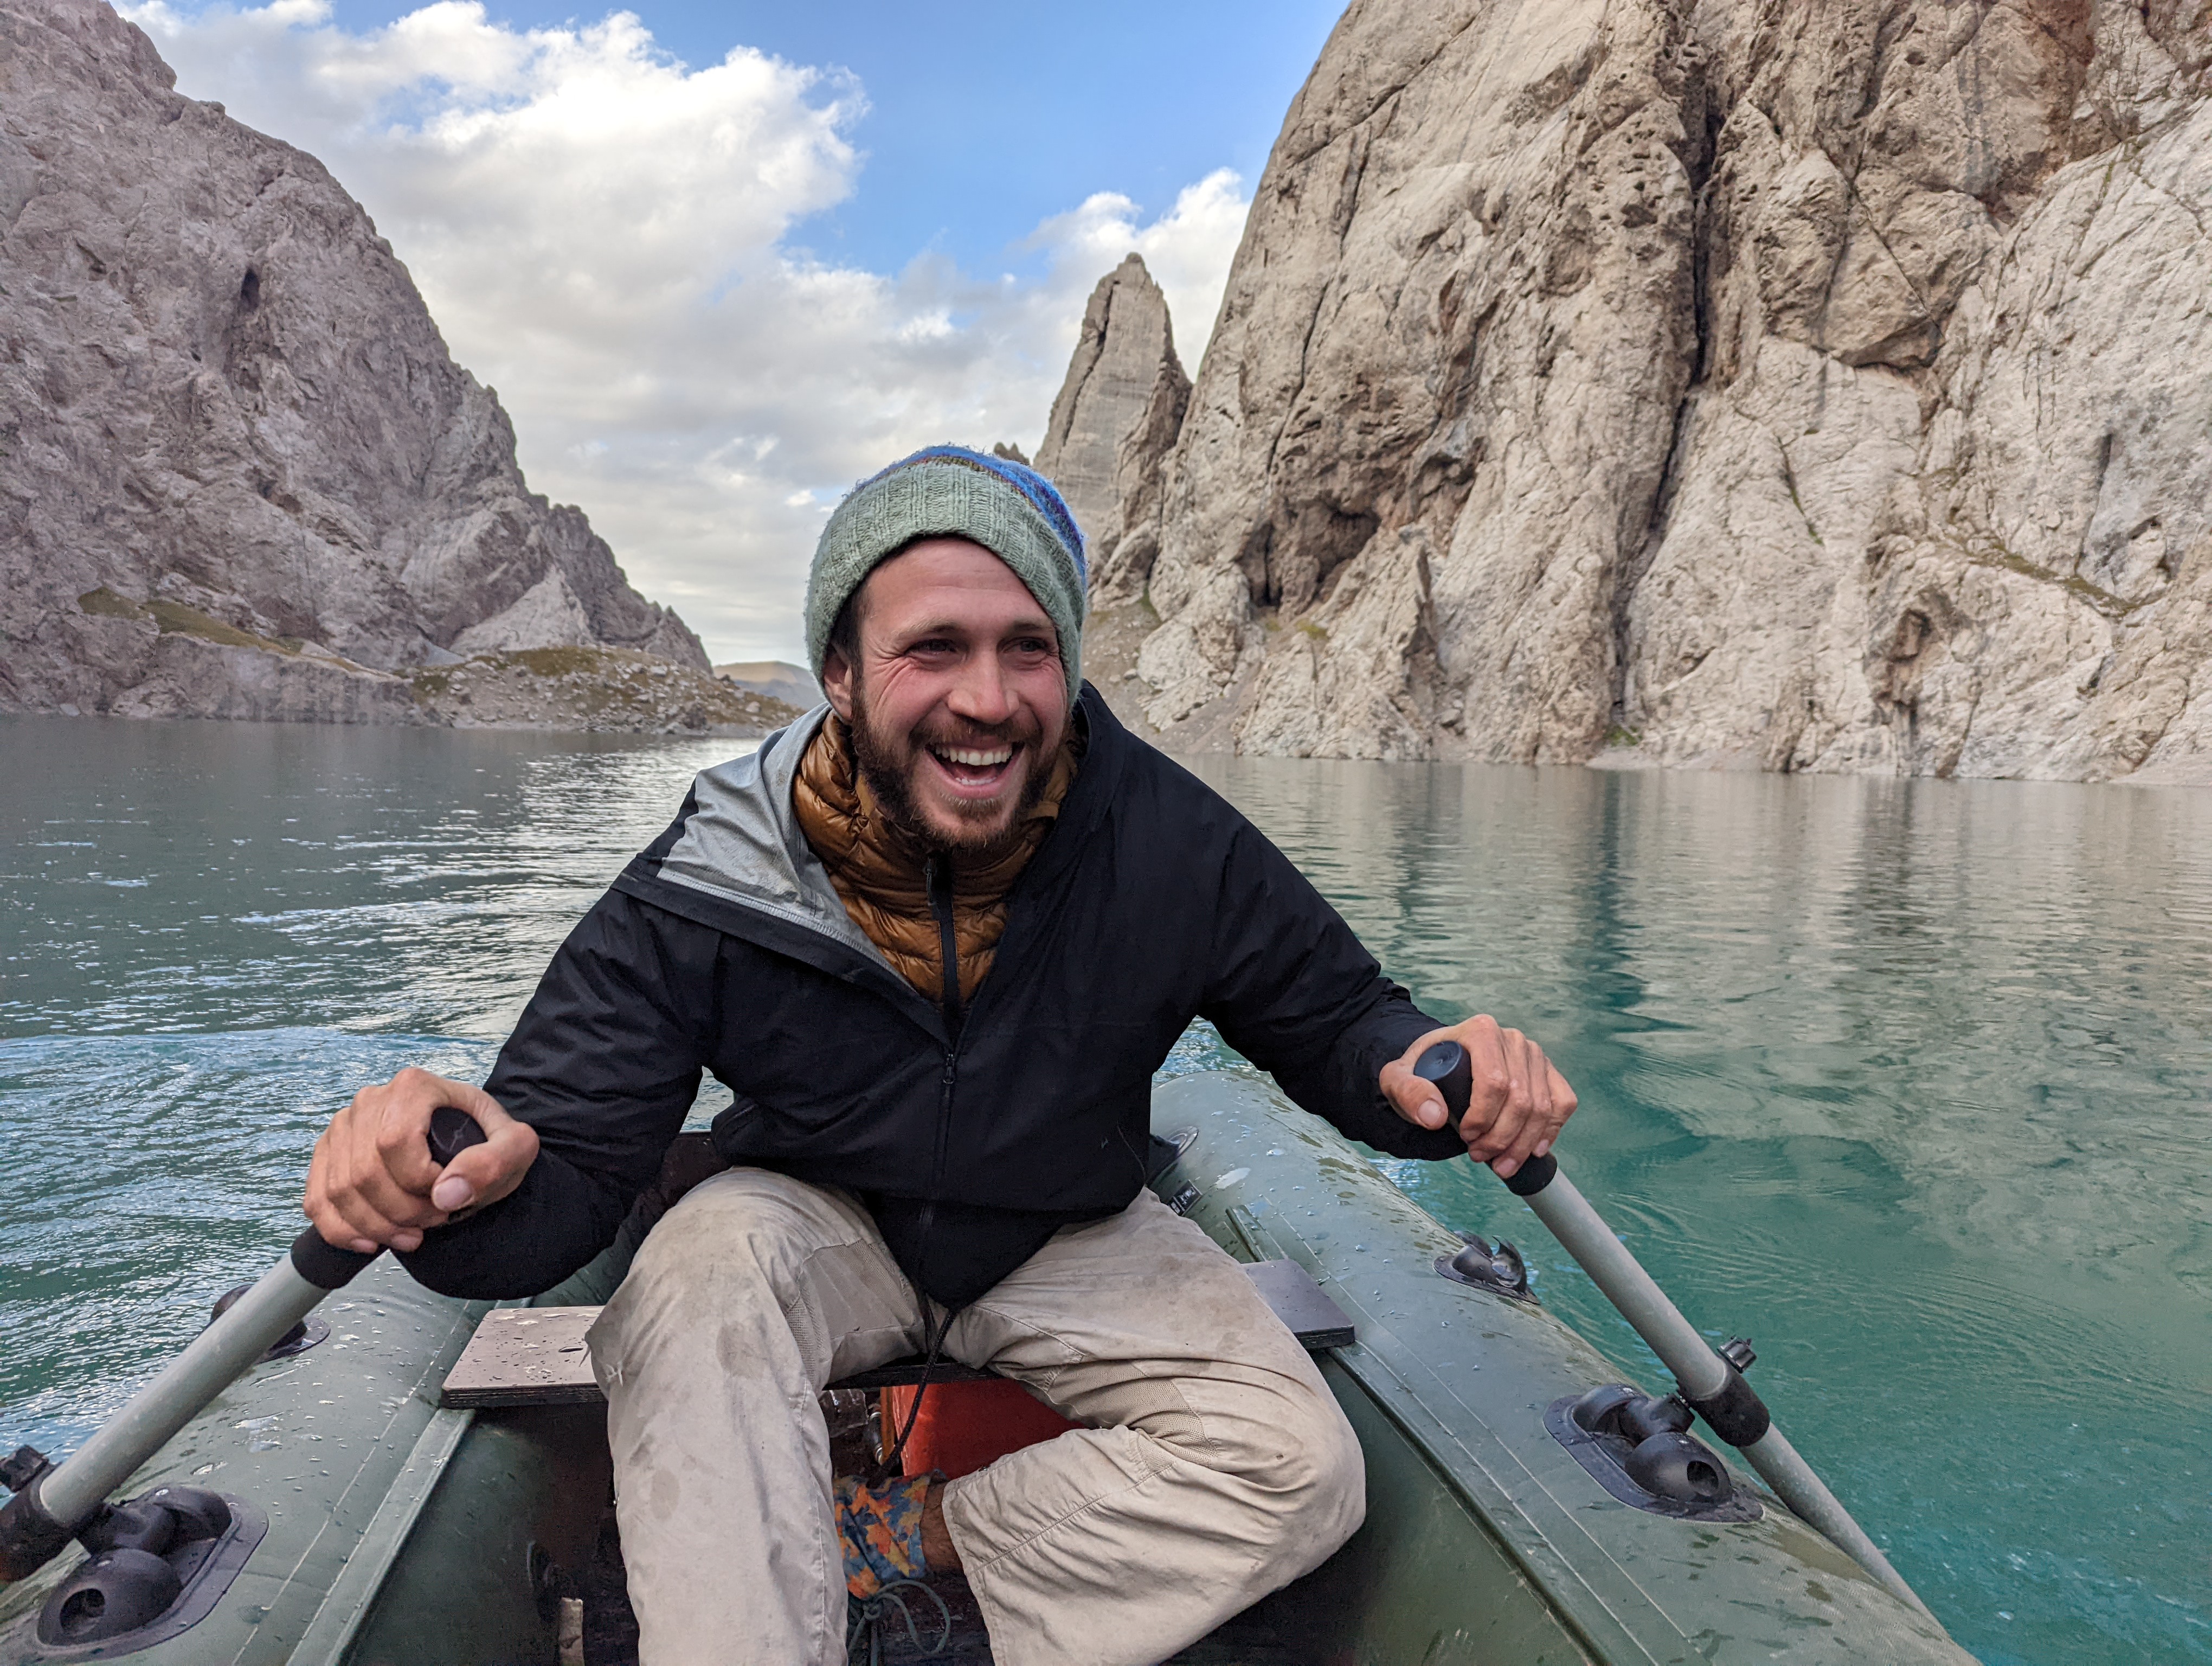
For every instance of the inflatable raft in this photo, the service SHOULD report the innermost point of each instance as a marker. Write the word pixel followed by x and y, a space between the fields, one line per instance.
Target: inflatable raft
pixel 1528 1502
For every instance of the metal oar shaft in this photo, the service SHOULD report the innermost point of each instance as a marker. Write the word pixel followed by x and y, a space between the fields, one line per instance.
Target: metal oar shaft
pixel 52 1502
pixel 210 1362
pixel 1702 1373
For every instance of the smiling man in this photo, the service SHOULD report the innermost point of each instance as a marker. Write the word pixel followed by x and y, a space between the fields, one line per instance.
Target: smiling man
pixel 935 938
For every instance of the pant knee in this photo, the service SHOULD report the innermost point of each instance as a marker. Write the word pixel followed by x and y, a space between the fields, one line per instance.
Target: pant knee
pixel 1324 1474
pixel 709 1265
pixel 1297 1467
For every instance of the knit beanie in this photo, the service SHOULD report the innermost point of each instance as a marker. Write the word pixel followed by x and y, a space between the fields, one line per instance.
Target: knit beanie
pixel 949 491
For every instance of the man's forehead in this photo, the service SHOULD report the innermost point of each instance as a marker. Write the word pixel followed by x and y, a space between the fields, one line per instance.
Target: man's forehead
pixel 952 580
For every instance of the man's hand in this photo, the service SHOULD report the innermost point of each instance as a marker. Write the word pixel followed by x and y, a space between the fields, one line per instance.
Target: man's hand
pixel 1518 1103
pixel 374 1182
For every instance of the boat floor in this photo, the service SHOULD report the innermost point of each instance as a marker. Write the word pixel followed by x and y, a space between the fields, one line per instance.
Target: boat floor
pixel 611 1629
pixel 1244 1641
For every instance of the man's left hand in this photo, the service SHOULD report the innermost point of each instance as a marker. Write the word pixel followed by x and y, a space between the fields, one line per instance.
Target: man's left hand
pixel 1519 1100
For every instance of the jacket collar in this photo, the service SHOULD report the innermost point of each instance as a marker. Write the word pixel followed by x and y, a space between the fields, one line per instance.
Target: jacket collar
pixel 739 845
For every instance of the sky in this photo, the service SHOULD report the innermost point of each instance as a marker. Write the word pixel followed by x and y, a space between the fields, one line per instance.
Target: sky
pixel 722 260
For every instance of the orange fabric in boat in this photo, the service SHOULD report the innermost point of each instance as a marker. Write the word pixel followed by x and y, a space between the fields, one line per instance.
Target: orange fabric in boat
pixel 964 1427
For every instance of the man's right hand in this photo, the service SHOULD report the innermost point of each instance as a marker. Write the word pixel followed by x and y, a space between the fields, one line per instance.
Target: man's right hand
pixel 373 1183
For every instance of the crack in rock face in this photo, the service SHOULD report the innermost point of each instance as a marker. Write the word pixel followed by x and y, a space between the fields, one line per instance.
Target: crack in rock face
pixel 240 475
pixel 1638 383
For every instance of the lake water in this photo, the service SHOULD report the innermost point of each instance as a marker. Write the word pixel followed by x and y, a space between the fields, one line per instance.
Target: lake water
pixel 1908 1081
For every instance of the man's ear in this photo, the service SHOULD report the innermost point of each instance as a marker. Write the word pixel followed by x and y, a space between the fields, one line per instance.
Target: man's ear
pixel 837 683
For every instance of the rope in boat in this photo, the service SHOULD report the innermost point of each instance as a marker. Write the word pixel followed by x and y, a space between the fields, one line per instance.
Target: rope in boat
pixel 866 1623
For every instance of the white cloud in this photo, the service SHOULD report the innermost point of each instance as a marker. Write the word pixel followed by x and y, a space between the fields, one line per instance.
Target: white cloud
pixel 605 236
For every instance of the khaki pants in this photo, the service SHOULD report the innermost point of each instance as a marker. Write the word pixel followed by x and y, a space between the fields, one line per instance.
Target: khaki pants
pixel 1217 1468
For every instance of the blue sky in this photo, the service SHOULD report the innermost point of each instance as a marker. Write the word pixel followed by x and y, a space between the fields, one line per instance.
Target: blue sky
pixel 721 261
pixel 985 118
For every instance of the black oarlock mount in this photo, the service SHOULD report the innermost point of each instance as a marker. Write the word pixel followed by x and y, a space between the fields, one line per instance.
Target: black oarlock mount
pixel 1638 1446
pixel 302 1337
pixel 29 1538
pixel 158 1565
pixel 1499 1268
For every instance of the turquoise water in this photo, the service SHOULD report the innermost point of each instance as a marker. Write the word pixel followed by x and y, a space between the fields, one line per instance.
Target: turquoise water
pixel 1906 1079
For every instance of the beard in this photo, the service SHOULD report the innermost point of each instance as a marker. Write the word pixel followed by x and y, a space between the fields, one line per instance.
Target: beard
pixel 889 763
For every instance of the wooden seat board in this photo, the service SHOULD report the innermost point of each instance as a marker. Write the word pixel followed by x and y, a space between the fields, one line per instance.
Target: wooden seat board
pixel 538 1356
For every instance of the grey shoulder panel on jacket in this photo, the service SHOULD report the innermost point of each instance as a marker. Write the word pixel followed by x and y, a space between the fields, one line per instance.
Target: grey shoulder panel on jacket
pixel 742 842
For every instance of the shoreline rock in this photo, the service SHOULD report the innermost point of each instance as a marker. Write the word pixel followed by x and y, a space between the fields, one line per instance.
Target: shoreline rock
pixel 1113 423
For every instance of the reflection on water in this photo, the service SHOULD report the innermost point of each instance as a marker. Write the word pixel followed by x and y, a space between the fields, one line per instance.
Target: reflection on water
pixel 1905 1079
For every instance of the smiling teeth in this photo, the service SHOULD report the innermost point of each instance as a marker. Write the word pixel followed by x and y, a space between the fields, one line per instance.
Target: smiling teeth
pixel 974 760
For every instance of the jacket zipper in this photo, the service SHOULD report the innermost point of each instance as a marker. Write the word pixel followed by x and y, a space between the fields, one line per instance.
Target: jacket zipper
pixel 938 878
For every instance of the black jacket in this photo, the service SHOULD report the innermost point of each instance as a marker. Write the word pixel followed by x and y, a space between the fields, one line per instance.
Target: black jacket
pixel 724 946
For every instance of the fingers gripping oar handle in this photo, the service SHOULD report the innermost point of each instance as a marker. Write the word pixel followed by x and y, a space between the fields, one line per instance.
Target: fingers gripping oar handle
pixel 1713 1386
pixel 328 1268
pixel 52 1503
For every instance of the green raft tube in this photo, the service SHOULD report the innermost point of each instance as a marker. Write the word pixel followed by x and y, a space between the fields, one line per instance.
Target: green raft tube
pixel 368 1526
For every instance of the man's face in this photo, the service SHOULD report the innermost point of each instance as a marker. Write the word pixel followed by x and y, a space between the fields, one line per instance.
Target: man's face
pixel 959 703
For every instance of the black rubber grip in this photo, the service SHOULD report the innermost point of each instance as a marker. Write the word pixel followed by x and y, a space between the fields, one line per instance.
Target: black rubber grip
pixel 1734 1411
pixel 452 1131
pixel 1446 1064
pixel 1532 1176
pixel 325 1266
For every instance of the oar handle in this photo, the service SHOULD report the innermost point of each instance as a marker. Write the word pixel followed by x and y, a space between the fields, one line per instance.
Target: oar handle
pixel 328 1268
pixel 1447 1065
pixel 52 1502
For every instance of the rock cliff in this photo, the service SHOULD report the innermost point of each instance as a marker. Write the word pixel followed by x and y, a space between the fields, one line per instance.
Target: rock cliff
pixel 1742 383
pixel 240 475
pixel 1116 416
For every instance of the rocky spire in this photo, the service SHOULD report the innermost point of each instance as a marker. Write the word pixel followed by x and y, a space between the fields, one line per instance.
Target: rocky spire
pixel 1114 423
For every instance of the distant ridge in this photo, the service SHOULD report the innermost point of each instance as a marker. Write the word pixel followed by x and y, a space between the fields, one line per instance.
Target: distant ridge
pixel 779 679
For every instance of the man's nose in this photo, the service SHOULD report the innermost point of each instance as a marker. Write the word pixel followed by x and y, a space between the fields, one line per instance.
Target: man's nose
pixel 981 692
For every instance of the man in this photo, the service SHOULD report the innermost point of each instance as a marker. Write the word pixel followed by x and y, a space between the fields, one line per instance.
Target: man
pixel 936 939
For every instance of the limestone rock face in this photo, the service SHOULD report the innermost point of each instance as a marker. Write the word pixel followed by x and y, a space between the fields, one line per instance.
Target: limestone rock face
pixel 1115 419
pixel 240 475
pixel 1735 384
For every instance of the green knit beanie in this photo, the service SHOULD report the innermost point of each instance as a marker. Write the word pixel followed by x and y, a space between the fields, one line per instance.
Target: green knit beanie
pixel 949 491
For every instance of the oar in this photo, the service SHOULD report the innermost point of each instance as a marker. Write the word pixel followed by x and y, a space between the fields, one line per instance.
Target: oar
pixel 53 1502
pixel 1712 1385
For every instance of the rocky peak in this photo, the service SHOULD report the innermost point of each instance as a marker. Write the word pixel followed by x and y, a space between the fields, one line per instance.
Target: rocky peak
pixel 1727 385
pixel 239 474
pixel 1113 423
